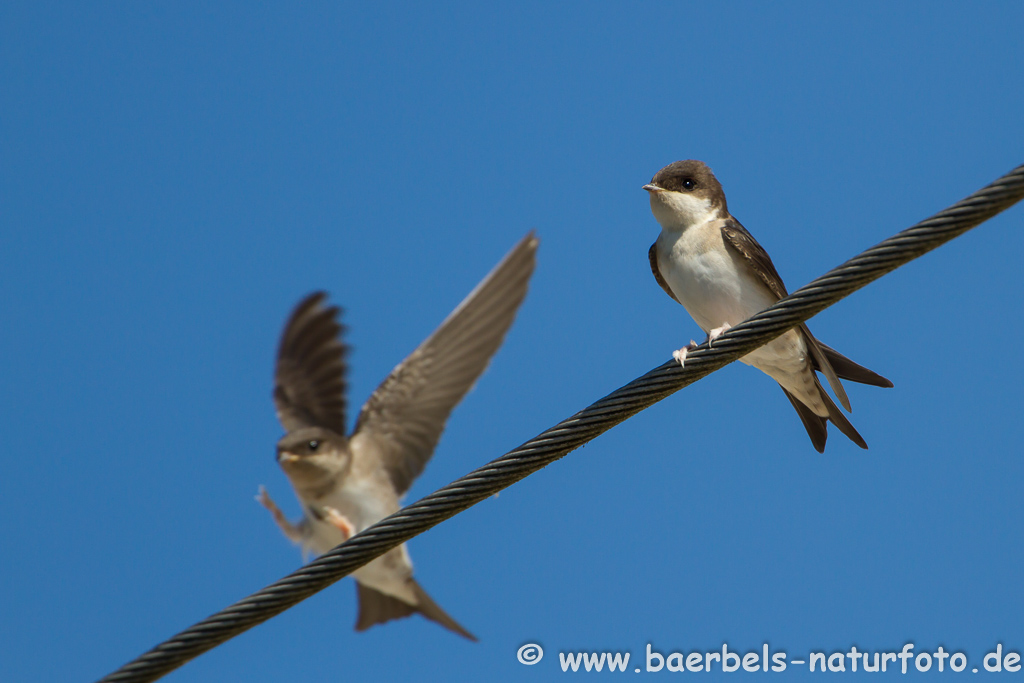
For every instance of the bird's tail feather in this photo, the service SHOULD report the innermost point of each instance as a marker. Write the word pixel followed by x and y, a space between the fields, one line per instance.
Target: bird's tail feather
pixel 814 424
pixel 838 418
pixel 817 426
pixel 377 608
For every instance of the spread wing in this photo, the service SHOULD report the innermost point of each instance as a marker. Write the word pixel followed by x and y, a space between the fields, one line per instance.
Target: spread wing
pixel 757 258
pixel 309 381
pixel 652 256
pixel 403 419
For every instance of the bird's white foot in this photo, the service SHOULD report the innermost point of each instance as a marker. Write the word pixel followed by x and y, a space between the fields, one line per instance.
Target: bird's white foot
pixel 680 354
pixel 718 332
pixel 290 530
pixel 339 521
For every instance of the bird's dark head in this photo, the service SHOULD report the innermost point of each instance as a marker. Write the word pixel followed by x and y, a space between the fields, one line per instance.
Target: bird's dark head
pixel 685 193
pixel 313 456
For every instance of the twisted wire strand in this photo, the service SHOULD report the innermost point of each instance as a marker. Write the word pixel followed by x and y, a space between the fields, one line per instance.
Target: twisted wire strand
pixel 575 431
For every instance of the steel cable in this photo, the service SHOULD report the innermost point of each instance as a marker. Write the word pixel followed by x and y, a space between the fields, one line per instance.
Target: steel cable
pixel 575 431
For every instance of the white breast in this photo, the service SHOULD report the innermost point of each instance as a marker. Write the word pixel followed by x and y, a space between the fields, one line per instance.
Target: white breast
pixel 360 501
pixel 716 287
pixel 708 278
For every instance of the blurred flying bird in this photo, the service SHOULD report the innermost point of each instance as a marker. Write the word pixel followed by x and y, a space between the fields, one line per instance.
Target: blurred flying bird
pixel 347 483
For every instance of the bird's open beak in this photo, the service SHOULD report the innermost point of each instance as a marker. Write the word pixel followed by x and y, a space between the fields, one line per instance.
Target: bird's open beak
pixel 651 187
pixel 287 457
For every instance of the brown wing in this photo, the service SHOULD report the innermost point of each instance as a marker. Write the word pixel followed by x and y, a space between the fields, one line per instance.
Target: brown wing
pixel 309 381
pixel 403 419
pixel 847 369
pixel 754 254
pixel 760 262
pixel 820 362
pixel 652 256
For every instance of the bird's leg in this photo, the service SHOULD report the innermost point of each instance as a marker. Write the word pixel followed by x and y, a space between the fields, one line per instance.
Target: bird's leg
pixel 339 521
pixel 718 332
pixel 680 355
pixel 294 533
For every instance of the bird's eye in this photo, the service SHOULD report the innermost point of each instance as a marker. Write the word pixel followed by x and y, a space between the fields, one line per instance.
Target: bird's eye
pixel 313 445
pixel 689 184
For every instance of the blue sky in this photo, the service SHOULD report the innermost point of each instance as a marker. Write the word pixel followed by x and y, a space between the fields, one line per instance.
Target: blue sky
pixel 176 177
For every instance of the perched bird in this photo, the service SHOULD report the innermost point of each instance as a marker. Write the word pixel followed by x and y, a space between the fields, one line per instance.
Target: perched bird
pixel 347 483
pixel 708 262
